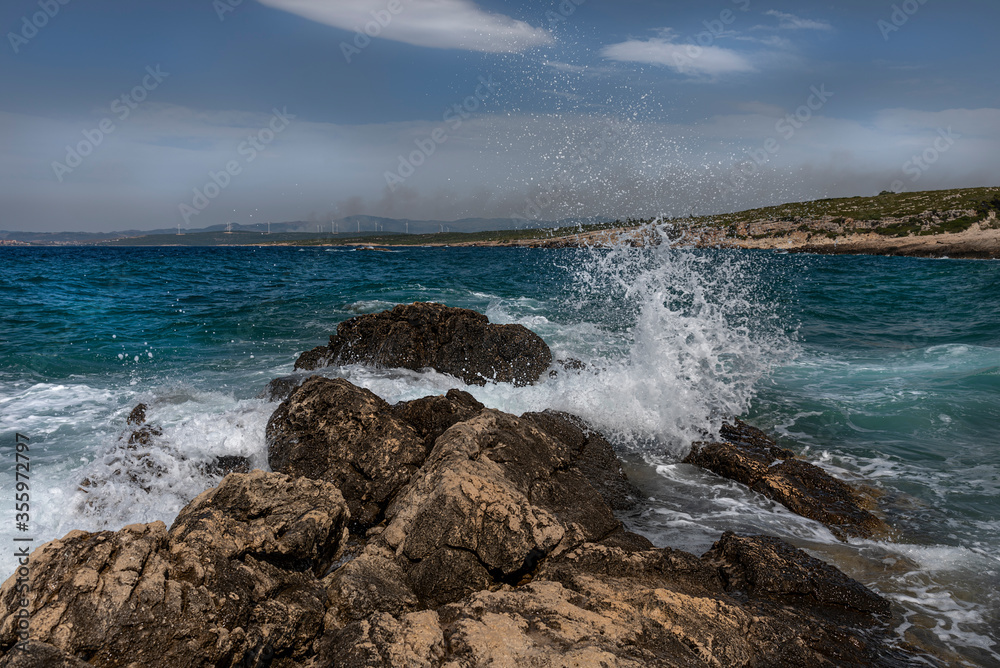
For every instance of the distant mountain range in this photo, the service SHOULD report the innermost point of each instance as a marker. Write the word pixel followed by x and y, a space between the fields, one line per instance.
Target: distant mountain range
pixel 352 225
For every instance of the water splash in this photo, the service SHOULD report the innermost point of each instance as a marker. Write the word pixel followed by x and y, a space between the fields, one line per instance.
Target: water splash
pixel 697 333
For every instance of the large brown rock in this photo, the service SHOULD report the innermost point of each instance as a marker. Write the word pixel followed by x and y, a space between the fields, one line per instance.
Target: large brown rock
pixel 329 429
pixel 748 456
pixel 495 498
pixel 604 606
pixel 233 582
pixel 767 568
pixel 455 341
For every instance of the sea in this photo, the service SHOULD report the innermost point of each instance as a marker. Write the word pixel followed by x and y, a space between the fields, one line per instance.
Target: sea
pixel 881 370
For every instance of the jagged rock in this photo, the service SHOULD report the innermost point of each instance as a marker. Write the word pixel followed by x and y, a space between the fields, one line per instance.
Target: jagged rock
pixel 592 455
pixel 331 430
pixel 234 581
pixel 604 606
pixel 145 433
pixel 280 389
pixel 226 464
pixel 765 567
pixel 432 416
pixel 749 456
pixel 496 496
pixel 36 654
pixel 455 341
pixel 138 415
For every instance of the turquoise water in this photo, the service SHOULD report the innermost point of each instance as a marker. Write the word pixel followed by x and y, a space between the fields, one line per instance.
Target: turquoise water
pixel 886 368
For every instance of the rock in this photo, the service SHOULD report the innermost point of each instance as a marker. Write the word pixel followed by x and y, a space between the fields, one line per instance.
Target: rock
pixel 280 389
pixel 454 341
pixel 145 433
pixel 331 430
pixel 604 606
pixel 234 581
pixel 226 464
pixel 432 416
pixel 749 456
pixel 138 415
pixel 36 654
pixel 592 455
pixel 494 499
pixel 768 568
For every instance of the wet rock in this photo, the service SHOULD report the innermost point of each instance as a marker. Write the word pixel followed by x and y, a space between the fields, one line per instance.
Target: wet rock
pixel 768 568
pixel 592 455
pixel 280 389
pixel 432 416
pixel 145 433
pixel 234 581
pixel 331 430
pixel 226 464
pixel 604 606
pixel 749 456
pixel 495 498
pixel 454 341
pixel 34 654
pixel 489 540
pixel 138 415
pixel 567 365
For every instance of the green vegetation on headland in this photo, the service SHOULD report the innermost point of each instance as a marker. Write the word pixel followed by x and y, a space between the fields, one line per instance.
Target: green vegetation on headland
pixel 803 225
pixel 888 214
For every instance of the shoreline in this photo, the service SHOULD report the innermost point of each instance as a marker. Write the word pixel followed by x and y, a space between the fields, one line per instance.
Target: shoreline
pixel 978 242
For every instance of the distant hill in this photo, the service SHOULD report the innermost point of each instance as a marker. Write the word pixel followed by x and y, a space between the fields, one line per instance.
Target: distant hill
pixel 353 226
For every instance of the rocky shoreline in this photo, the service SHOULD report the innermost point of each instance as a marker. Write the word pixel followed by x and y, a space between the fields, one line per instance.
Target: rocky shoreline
pixel 977 243
pixel 439 532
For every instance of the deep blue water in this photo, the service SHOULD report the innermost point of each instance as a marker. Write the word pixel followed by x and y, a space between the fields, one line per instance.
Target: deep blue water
pixel 885 368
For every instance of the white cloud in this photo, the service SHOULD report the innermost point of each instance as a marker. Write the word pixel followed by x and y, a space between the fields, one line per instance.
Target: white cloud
pixel 439 24
pixel 689 59
pixel 792 22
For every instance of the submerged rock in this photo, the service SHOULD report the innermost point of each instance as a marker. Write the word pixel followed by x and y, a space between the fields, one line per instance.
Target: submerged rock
pixel 454 341
pixel 749 456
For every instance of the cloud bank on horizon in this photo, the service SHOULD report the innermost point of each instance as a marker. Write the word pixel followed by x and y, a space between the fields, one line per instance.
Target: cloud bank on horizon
pixel 448 109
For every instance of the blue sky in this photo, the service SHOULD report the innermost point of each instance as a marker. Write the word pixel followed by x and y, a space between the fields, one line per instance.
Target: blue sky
pixel 198 113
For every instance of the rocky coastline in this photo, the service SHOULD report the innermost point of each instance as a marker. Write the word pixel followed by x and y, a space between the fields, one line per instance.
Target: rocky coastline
pixel 439 532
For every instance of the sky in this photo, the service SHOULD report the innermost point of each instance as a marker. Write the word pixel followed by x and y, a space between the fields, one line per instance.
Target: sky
pixel 143 114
